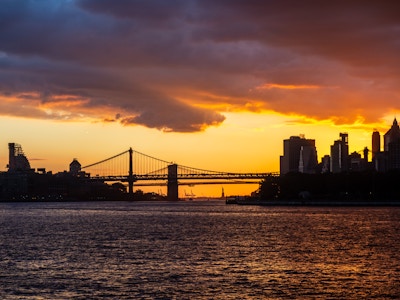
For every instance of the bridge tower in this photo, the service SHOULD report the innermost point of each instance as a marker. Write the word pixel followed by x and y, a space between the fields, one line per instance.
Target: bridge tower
pixel 130 176
pixel 172 191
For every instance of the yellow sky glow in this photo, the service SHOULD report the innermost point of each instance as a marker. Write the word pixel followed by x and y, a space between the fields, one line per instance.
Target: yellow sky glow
pixel 245 142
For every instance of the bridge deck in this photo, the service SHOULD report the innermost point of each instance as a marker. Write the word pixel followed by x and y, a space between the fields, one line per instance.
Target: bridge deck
pixel 154 177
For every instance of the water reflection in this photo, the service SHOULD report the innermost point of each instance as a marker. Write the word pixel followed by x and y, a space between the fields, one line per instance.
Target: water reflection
pixel 197 250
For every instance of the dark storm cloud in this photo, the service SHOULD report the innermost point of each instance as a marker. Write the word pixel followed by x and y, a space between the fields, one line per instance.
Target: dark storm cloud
pixel 355 31
pixel 171 64
pixel 180 117
pixel 156 11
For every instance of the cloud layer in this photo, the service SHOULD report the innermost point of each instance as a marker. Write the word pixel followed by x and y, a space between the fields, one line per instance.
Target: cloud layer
pixel 179 65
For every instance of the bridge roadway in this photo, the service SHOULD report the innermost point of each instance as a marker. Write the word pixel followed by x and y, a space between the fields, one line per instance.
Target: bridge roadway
pixel 155 177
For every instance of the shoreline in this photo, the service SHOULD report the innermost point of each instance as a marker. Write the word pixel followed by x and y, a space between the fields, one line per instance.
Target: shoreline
pixel 332 203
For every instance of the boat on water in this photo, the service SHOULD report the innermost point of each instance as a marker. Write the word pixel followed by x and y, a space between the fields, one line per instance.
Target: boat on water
pixel 236 199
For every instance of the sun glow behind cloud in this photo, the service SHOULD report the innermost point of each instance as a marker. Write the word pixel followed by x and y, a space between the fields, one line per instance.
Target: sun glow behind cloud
pixel 287 86
pixel 245 142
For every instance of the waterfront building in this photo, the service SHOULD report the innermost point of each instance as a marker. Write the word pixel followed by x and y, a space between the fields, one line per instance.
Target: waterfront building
pixel 325 164
pixel 292 151
pixel 393 155
pixel 357 163
pixel 340 154
pixel 17 160
pixel 380 162
pixel 74 167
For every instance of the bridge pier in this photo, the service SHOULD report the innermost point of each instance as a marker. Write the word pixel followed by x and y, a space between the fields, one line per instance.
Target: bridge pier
pixel 172 185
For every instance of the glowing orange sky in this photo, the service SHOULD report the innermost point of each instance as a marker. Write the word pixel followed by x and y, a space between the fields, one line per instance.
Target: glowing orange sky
pixel 205 83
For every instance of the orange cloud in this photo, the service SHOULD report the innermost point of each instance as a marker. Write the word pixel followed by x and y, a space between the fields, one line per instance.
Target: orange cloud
pixel 64 108
pixel 66 100
pixel 287 86
pixel 180 67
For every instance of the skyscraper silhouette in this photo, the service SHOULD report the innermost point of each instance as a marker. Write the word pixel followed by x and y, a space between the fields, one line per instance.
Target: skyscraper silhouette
pixel 340 154
pixel 296 150
pixel 376 143
pixel 392 135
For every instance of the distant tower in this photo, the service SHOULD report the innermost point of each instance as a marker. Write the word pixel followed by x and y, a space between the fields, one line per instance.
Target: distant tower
pixel 74 167
pixel 376 143
pixel 365 152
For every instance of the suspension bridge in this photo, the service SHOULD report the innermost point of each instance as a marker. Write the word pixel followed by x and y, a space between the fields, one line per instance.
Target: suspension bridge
pixel 132 166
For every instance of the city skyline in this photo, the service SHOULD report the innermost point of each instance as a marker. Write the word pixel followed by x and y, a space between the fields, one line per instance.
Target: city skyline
pixel 215 85
pixel 299 156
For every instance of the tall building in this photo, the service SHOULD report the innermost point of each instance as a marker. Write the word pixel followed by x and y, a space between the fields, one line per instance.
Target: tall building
pixel 358 163
pixel 308 159
pixel 325 164
pixel 292 151
pixel 376 143
pixel 392 147
pixel 393 155
pixel 17 160
pixel 392 135
pixel 340 154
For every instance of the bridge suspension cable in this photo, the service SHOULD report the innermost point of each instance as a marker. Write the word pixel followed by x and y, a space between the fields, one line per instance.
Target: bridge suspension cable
pixel 144 164
pixel 116 165
pixel 146 167
pixel 105 160
pixel 185 170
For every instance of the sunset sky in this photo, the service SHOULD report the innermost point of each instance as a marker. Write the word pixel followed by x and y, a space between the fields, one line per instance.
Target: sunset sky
pixel 211 84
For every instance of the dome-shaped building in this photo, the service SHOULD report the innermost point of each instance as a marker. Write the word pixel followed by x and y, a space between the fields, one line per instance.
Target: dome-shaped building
pixel 74 167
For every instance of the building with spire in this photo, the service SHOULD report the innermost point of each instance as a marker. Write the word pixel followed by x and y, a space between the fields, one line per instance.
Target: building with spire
pixel 392 135
pixel 392 146
pixel 389 159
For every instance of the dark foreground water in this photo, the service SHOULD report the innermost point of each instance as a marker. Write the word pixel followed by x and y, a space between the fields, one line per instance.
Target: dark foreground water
pixel 197 250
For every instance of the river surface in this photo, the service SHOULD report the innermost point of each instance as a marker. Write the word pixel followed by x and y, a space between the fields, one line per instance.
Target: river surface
pixel 197 250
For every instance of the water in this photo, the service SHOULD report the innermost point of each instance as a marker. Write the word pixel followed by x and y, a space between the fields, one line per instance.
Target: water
pixel 197 250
